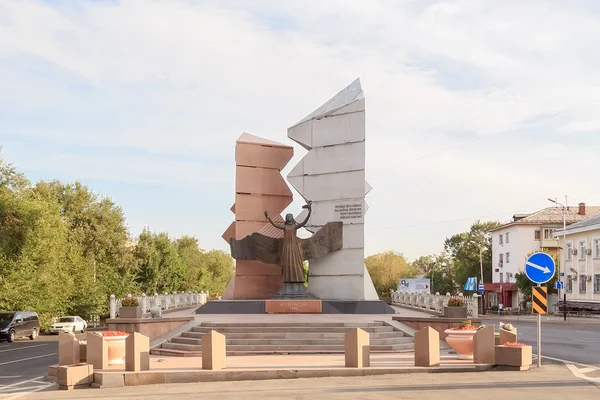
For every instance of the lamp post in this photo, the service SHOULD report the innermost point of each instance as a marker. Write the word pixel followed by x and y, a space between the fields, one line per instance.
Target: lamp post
pixel 564 247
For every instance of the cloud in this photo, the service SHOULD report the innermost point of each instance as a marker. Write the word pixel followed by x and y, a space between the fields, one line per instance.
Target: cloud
pixel 468 104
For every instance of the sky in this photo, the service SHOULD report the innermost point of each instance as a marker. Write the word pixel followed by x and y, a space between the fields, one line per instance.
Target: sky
pixel 475 109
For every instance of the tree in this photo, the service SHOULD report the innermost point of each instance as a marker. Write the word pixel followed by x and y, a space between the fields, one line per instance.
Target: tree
pixel 465 250
pixel 439 269
pixel 386 269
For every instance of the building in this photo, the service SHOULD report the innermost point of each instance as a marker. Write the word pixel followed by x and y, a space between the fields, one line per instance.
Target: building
pixel 514 241
pixel 582 273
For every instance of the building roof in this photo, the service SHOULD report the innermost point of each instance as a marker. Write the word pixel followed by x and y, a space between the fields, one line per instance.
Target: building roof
pixel 585 225
pixel 552 216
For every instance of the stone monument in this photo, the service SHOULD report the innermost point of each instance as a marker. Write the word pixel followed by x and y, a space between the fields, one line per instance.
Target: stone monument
pixel 332 176
pixel 259 186
pixel 289 252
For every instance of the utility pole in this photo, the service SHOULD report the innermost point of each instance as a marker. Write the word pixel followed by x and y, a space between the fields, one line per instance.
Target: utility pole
pixel 563 263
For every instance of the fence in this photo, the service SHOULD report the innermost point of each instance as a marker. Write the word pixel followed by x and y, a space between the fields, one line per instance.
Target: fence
pixel 435 302
pixel 164 301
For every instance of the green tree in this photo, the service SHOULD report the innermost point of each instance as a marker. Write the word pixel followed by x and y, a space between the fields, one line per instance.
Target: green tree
pixel 439 269
pixel 465 250
pixel 219 268
pixel 386 269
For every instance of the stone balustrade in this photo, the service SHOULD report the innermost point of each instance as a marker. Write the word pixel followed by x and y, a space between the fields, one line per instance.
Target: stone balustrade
pixel 435 303
pixel 164 301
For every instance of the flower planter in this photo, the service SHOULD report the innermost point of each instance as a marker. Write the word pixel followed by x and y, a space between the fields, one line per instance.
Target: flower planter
pixel 461 342
pixel 516 357
pixel 116 349
pixel 74 376
pixel 130 312
pixel 455 312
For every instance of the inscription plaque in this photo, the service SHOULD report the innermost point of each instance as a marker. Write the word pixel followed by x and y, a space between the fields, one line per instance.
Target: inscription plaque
pixel 348 211
pixel 293 306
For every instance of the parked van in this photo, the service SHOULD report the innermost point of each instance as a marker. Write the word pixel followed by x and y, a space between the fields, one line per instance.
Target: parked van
pixel 16 324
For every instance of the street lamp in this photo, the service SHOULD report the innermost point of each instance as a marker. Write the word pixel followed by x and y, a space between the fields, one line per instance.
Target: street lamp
pixel 480 258
pixel 564 247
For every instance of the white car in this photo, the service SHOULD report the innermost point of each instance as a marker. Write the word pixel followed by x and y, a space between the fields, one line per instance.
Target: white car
pixel 68 324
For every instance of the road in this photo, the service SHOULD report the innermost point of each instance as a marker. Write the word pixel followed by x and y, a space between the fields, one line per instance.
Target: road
pixel 578 344
pixel 27 359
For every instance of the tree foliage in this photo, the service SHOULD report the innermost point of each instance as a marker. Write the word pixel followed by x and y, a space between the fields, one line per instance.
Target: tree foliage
pixel 64 249
pixel 386 269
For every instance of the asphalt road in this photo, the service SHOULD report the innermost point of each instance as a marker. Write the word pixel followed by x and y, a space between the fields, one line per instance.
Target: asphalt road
pixel 26 359
pixel 577 344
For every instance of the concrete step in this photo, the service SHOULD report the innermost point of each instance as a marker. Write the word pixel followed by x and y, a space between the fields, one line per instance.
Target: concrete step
pixel 288 329
pixel 295 335
pixel 181 346
pixel 292 324
pixel 294 341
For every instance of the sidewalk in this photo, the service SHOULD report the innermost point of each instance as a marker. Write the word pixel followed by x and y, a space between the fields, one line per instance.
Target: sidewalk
pixel 551 382
pixel 547 319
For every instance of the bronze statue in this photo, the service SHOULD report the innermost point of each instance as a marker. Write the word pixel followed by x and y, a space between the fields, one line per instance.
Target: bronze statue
pixel 290 251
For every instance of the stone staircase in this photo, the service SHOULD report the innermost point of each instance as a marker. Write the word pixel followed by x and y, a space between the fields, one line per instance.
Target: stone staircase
pixel 285 338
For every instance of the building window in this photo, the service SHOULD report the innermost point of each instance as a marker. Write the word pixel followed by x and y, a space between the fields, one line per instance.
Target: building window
pixel 537 235
pixel 597 283
pixel 501 277
pixel 569 251
pixel 548 234
pixel 501 259
pixel 596 248
pixel 507 258
pixel 582 284
pixel 507 238
pixel 582 255
pixel 501 239
pixel 569 283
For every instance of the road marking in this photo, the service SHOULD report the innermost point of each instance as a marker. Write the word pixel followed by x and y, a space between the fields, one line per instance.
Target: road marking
pixel 570 362
pixel 588 332
pixel 584 341
pixel 579 374
pixel 14 391
pixel 24 347
pixel 28 358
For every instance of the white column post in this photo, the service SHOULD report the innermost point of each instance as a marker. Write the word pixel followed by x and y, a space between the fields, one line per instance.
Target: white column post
pixel 113 306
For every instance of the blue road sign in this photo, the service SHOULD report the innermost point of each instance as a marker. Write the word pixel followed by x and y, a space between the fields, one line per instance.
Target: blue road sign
pixel 480 288
pixel 540 268
pixel 559 285
pixel 471 284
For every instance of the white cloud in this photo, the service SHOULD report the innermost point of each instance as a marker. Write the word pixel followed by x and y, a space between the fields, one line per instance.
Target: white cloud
pixel 460 97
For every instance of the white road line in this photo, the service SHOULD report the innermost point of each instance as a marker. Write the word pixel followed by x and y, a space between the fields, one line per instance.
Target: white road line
pixel 28 358
pixel 577 373
pixel 22 382
pixel 24 347
pixel 17 395
pixel 584 341
pixel 570 362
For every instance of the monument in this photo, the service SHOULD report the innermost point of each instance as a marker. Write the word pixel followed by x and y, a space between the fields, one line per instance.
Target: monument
pixel 332 176
pixel 290 252
pixel 331 179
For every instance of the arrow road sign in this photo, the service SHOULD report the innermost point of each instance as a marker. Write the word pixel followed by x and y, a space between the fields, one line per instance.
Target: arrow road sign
pixel 559 285
pixel 540 268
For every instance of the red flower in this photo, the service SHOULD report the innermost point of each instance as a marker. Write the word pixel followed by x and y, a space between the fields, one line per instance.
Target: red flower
pixel 113 333
pixel 514 344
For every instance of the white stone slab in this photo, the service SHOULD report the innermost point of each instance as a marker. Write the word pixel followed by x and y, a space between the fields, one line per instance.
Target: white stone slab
pixel 368 188
pixel 350 211
pixel 339 129
pixel 346 96
pixel 343 185
pixel 331 159
pixel 297 182
pixel 356 106
pixel 349 288
pixel 302 134
pixel 369 289
pixel 354 235
pixel 338 263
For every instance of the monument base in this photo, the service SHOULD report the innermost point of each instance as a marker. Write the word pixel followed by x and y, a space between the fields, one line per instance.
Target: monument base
pixel 327 307
pixel 293 290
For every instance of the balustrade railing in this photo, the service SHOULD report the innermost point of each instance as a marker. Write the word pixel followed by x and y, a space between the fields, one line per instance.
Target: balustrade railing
pixel 435 302
pixel 164 301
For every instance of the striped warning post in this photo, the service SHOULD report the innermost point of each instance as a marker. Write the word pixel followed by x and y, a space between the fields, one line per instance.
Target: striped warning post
pixel 540 299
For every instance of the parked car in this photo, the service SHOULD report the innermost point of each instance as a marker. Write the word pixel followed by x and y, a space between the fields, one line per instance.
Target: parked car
pixel 16 324
pixel 68 324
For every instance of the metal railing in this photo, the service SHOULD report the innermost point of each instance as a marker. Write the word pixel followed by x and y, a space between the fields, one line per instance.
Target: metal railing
pixel 435 303
pixel 164 301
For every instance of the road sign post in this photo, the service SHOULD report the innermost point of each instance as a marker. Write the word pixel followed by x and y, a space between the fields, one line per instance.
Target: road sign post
pixel 539 268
